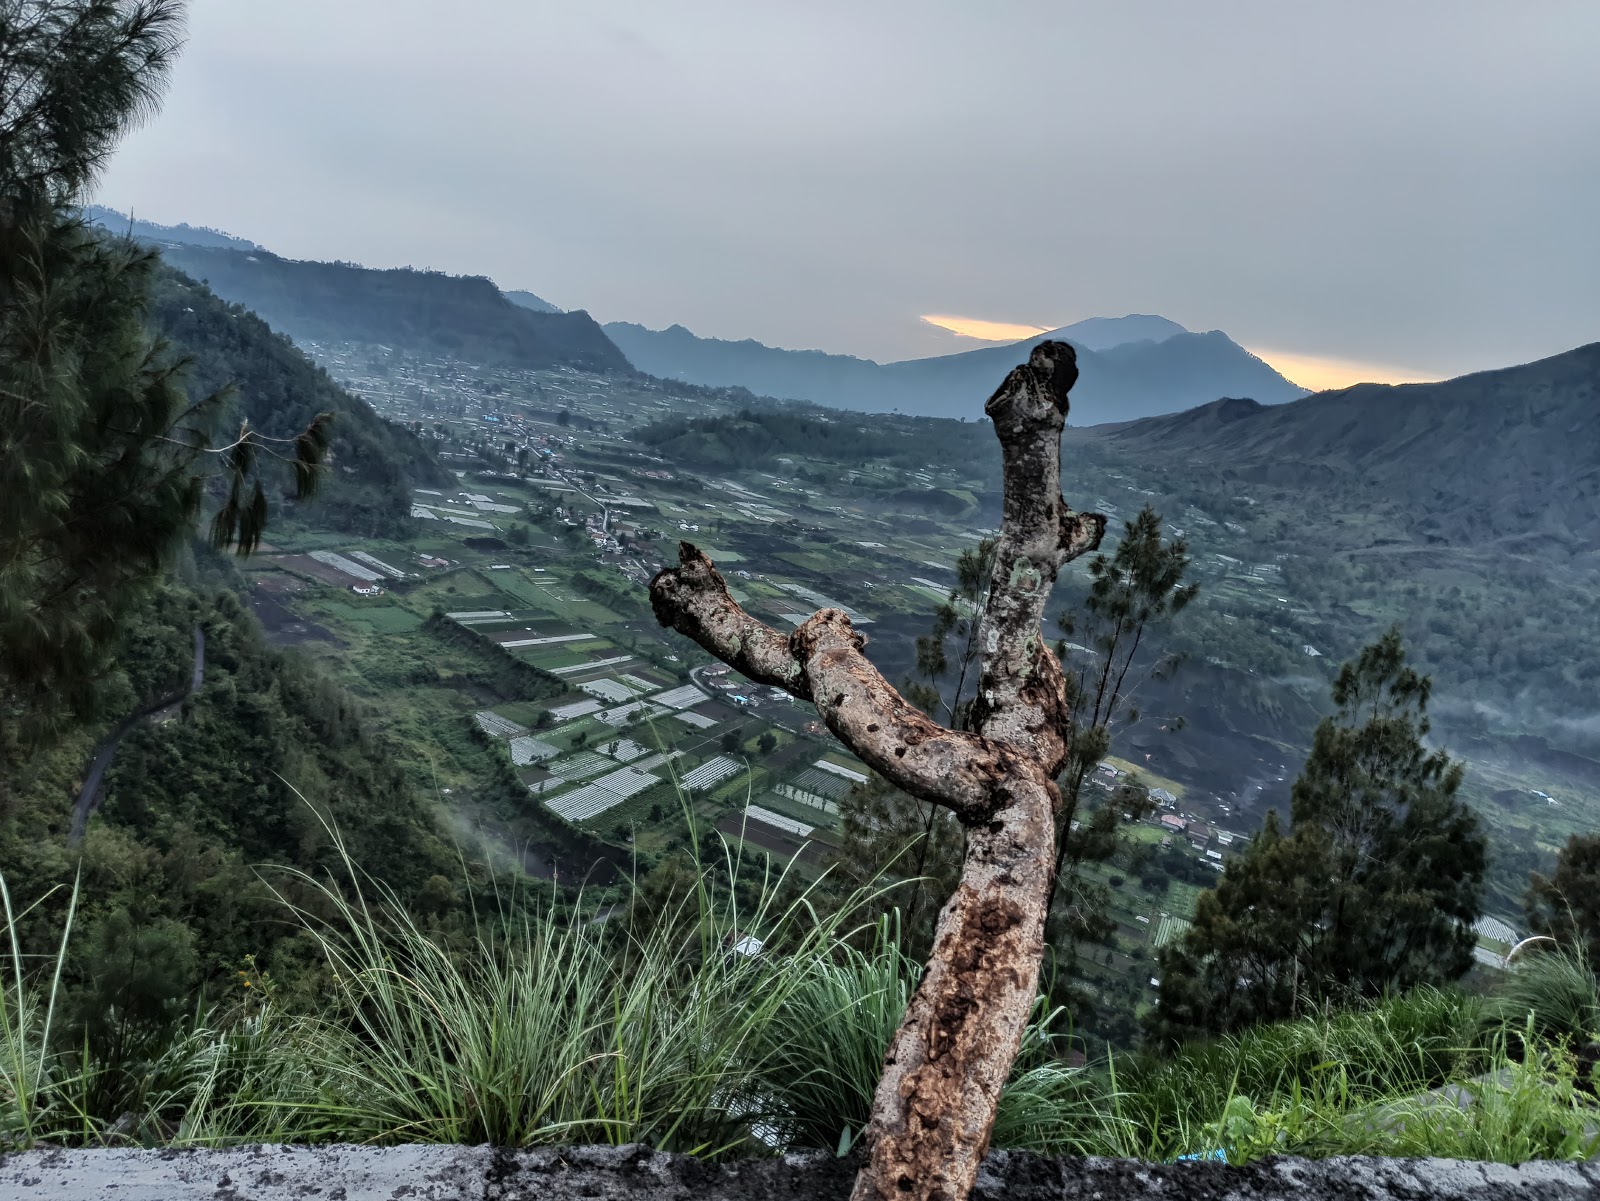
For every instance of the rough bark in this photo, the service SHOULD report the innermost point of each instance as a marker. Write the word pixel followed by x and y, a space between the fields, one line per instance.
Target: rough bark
pixel 948 1061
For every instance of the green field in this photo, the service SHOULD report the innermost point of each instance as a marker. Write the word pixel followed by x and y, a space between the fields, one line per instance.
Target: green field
pixel 1181 898
pixel 810 561
pixel 1169 929
pixel 550 593
pixel 379 618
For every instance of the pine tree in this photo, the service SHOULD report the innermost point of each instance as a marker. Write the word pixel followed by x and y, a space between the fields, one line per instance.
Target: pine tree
pixel 1137 587
pixel 104 459
pixel 888 833
pixel 1565 905
pixel 1374 890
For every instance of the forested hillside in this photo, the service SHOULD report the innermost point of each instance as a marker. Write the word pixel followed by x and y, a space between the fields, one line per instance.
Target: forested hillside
pixel 202 809
pixel 460 316
pixel 375 462
pixel 1507 454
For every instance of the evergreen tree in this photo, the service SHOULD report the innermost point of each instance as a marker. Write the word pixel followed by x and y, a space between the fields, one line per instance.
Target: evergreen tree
pixel 1565 906
pixel 101 451
pixel 1374 890
pixel 1137 587
pixel 889 833
pixel 947 655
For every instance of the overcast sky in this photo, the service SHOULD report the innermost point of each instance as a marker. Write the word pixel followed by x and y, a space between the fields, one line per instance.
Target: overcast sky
pixel 1387 189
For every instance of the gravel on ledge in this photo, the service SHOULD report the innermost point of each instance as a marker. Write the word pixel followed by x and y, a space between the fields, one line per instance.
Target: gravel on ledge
pixel 440 1173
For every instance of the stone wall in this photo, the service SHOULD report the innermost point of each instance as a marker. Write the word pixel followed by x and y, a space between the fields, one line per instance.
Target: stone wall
pixel 273 1173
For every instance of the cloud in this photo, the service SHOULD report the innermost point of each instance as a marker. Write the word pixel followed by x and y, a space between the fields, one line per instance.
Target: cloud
pixel 818 174
pixel 984 331
pixel 1320 372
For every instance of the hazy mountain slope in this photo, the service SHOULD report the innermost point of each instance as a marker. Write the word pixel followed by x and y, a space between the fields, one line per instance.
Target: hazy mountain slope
pixel 458 316
pixel 1508 453
pixel 676 353
pixel 164 235
pixel 1137 379
pixel 1162 368
pixel 527 300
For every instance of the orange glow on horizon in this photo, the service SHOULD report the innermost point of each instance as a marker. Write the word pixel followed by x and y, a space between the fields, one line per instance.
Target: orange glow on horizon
pixel 1319 373
pixel 984 331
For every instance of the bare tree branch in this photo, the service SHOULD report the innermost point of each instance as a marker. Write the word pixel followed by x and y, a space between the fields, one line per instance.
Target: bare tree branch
pixel 944 1070
pixel 822 662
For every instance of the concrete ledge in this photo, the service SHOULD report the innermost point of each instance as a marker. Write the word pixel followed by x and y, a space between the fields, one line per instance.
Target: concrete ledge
pixel 431 1173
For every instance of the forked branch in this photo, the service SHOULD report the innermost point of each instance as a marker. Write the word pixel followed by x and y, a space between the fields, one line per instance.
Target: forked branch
pixel 948 1061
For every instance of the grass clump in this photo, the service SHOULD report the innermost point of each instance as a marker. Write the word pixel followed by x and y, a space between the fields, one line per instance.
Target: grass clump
pixel 1553 992
pixel 732 1014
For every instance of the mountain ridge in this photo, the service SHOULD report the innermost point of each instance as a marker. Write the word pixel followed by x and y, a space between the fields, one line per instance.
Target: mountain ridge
pixel 453 315
pixel 527 300
pixel 1512 451
pixel 1121 380
pixel 1136 365
pixel 164 235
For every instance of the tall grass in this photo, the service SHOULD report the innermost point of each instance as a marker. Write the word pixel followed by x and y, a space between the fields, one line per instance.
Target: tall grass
pixel 34 1087
pixel 545 1028
pixel 539 1030
pixel 820 1059
pixel 1527 1107
pixel 1328 1063
pixel 1553 992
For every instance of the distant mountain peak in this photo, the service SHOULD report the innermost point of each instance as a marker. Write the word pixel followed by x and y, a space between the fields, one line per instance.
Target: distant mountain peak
pixel 1102 333
pixel 1133 366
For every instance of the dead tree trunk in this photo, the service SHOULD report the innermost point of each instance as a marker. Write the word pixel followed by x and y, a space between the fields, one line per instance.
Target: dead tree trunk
pixel 942 1077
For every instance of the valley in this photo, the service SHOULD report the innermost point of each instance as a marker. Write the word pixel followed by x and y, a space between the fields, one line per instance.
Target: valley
pixel 571 490
pixel 458 688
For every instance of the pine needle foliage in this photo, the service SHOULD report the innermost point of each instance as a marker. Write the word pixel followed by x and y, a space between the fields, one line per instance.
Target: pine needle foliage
pixel 104 458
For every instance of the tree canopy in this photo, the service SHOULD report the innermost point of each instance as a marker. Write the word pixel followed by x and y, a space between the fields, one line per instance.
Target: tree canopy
pixel 104 456
pixel 1565 905
pixel 1374 889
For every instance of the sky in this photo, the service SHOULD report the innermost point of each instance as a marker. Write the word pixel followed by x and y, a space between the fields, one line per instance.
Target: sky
pixel 1364 190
